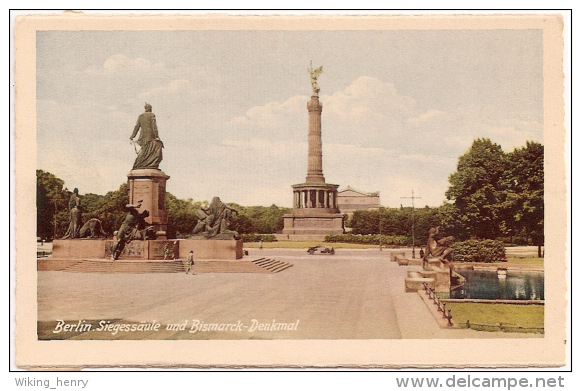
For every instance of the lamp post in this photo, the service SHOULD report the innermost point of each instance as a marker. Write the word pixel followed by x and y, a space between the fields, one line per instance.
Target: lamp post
pixel 413 222
pixel 380 233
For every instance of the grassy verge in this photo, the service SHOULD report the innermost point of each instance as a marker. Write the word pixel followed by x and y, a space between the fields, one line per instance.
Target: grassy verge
pixel 306 244
pixel 493 314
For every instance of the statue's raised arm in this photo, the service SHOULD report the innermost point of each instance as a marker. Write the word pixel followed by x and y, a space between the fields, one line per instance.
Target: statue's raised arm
pixel 314 76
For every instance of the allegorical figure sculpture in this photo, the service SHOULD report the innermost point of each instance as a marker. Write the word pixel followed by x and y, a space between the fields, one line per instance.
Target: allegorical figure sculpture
pixel 438 247
pixel 134 227
pixel 214 220
pixel 169 250
pixel 92 229
pixel 314 76
pixel 150 154
pixel 75 216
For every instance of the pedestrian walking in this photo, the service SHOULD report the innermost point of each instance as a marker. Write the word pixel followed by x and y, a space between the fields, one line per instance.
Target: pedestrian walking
pixel 190 262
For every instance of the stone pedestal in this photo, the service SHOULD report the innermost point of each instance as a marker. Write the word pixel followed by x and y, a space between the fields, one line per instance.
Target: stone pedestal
pixel 315 211
pixel 211 249
pixel 149 186
pixel 79 249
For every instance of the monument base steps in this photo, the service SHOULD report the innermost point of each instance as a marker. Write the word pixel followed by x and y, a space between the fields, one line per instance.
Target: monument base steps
pixel 261 265
pixel 273 266
pixel 110 266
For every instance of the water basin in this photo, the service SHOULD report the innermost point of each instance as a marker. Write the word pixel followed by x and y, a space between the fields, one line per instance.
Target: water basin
pixel 490 285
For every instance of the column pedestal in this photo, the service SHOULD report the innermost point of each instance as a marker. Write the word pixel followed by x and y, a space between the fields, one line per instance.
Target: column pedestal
pixel 149 186
pixel 315 213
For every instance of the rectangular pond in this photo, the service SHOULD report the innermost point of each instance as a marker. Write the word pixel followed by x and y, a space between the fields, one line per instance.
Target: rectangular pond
pixel 488 284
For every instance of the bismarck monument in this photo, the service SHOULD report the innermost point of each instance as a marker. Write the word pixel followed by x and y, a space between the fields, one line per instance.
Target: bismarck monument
pixel 142 235
pixel 315 213
pixel 146 180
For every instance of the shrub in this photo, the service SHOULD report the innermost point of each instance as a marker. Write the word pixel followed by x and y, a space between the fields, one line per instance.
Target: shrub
pixel 258 237
pixel 479 251
pixel 393 240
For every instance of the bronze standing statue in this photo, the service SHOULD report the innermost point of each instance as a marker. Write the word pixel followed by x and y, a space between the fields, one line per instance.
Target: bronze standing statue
pixel 150 154
pixel 75 216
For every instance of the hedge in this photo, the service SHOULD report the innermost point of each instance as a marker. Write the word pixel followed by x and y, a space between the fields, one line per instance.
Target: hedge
pixel 395 240
pixel 258 237
pixel 479 251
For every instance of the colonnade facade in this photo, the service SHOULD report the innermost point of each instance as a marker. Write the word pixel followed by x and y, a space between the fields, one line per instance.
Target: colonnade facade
pixel 315 198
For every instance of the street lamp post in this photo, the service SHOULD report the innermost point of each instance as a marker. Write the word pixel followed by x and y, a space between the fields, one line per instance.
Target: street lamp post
pixel 380 233
pixel 413 223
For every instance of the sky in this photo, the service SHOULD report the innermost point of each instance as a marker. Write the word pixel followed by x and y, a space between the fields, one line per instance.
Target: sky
pixel 399 107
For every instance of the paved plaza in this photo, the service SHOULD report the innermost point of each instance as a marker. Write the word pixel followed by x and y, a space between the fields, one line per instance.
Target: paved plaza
pixel 354 294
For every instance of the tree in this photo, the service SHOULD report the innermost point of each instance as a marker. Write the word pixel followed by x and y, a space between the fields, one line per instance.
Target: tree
pixel 450 221
pixel 476 189
pixel 181 215
pixel 258 219
pixel 395 222
pixel 365 222
pixel 110 208
pixel 525 192
pixel 51 200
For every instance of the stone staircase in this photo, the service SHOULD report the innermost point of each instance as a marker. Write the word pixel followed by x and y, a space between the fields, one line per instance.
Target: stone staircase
pixel 261 265
pixel 272 265
pixel 125 266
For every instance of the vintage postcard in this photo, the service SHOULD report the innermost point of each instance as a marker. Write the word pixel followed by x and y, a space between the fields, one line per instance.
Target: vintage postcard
pixel 382 191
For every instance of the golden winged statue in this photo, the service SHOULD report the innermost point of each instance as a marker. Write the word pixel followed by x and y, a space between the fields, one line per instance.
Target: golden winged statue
pixel 314 75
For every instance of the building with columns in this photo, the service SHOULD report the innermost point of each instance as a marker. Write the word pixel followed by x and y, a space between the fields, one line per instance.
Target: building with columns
pixel 315 211
pixel 349 200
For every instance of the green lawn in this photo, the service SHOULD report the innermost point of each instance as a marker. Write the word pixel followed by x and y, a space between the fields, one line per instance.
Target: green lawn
pixel 535 262
pixel 493 314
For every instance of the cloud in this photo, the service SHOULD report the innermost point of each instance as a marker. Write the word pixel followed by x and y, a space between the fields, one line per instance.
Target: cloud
pixel 272 114
pixel 513 133
pixel 366 109
pixel 257 148
pixel 120 64
pixel 369 97
pixel 429 158
pixel 167 91
pixel 374 138
pixel 428 116
pixel 354 150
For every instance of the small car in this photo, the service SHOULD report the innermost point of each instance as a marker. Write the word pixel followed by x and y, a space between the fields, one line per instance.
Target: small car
pixel 321 250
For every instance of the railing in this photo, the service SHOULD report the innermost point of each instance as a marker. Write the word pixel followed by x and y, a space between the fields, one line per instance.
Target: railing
pixel 446 312
pixel 500 326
